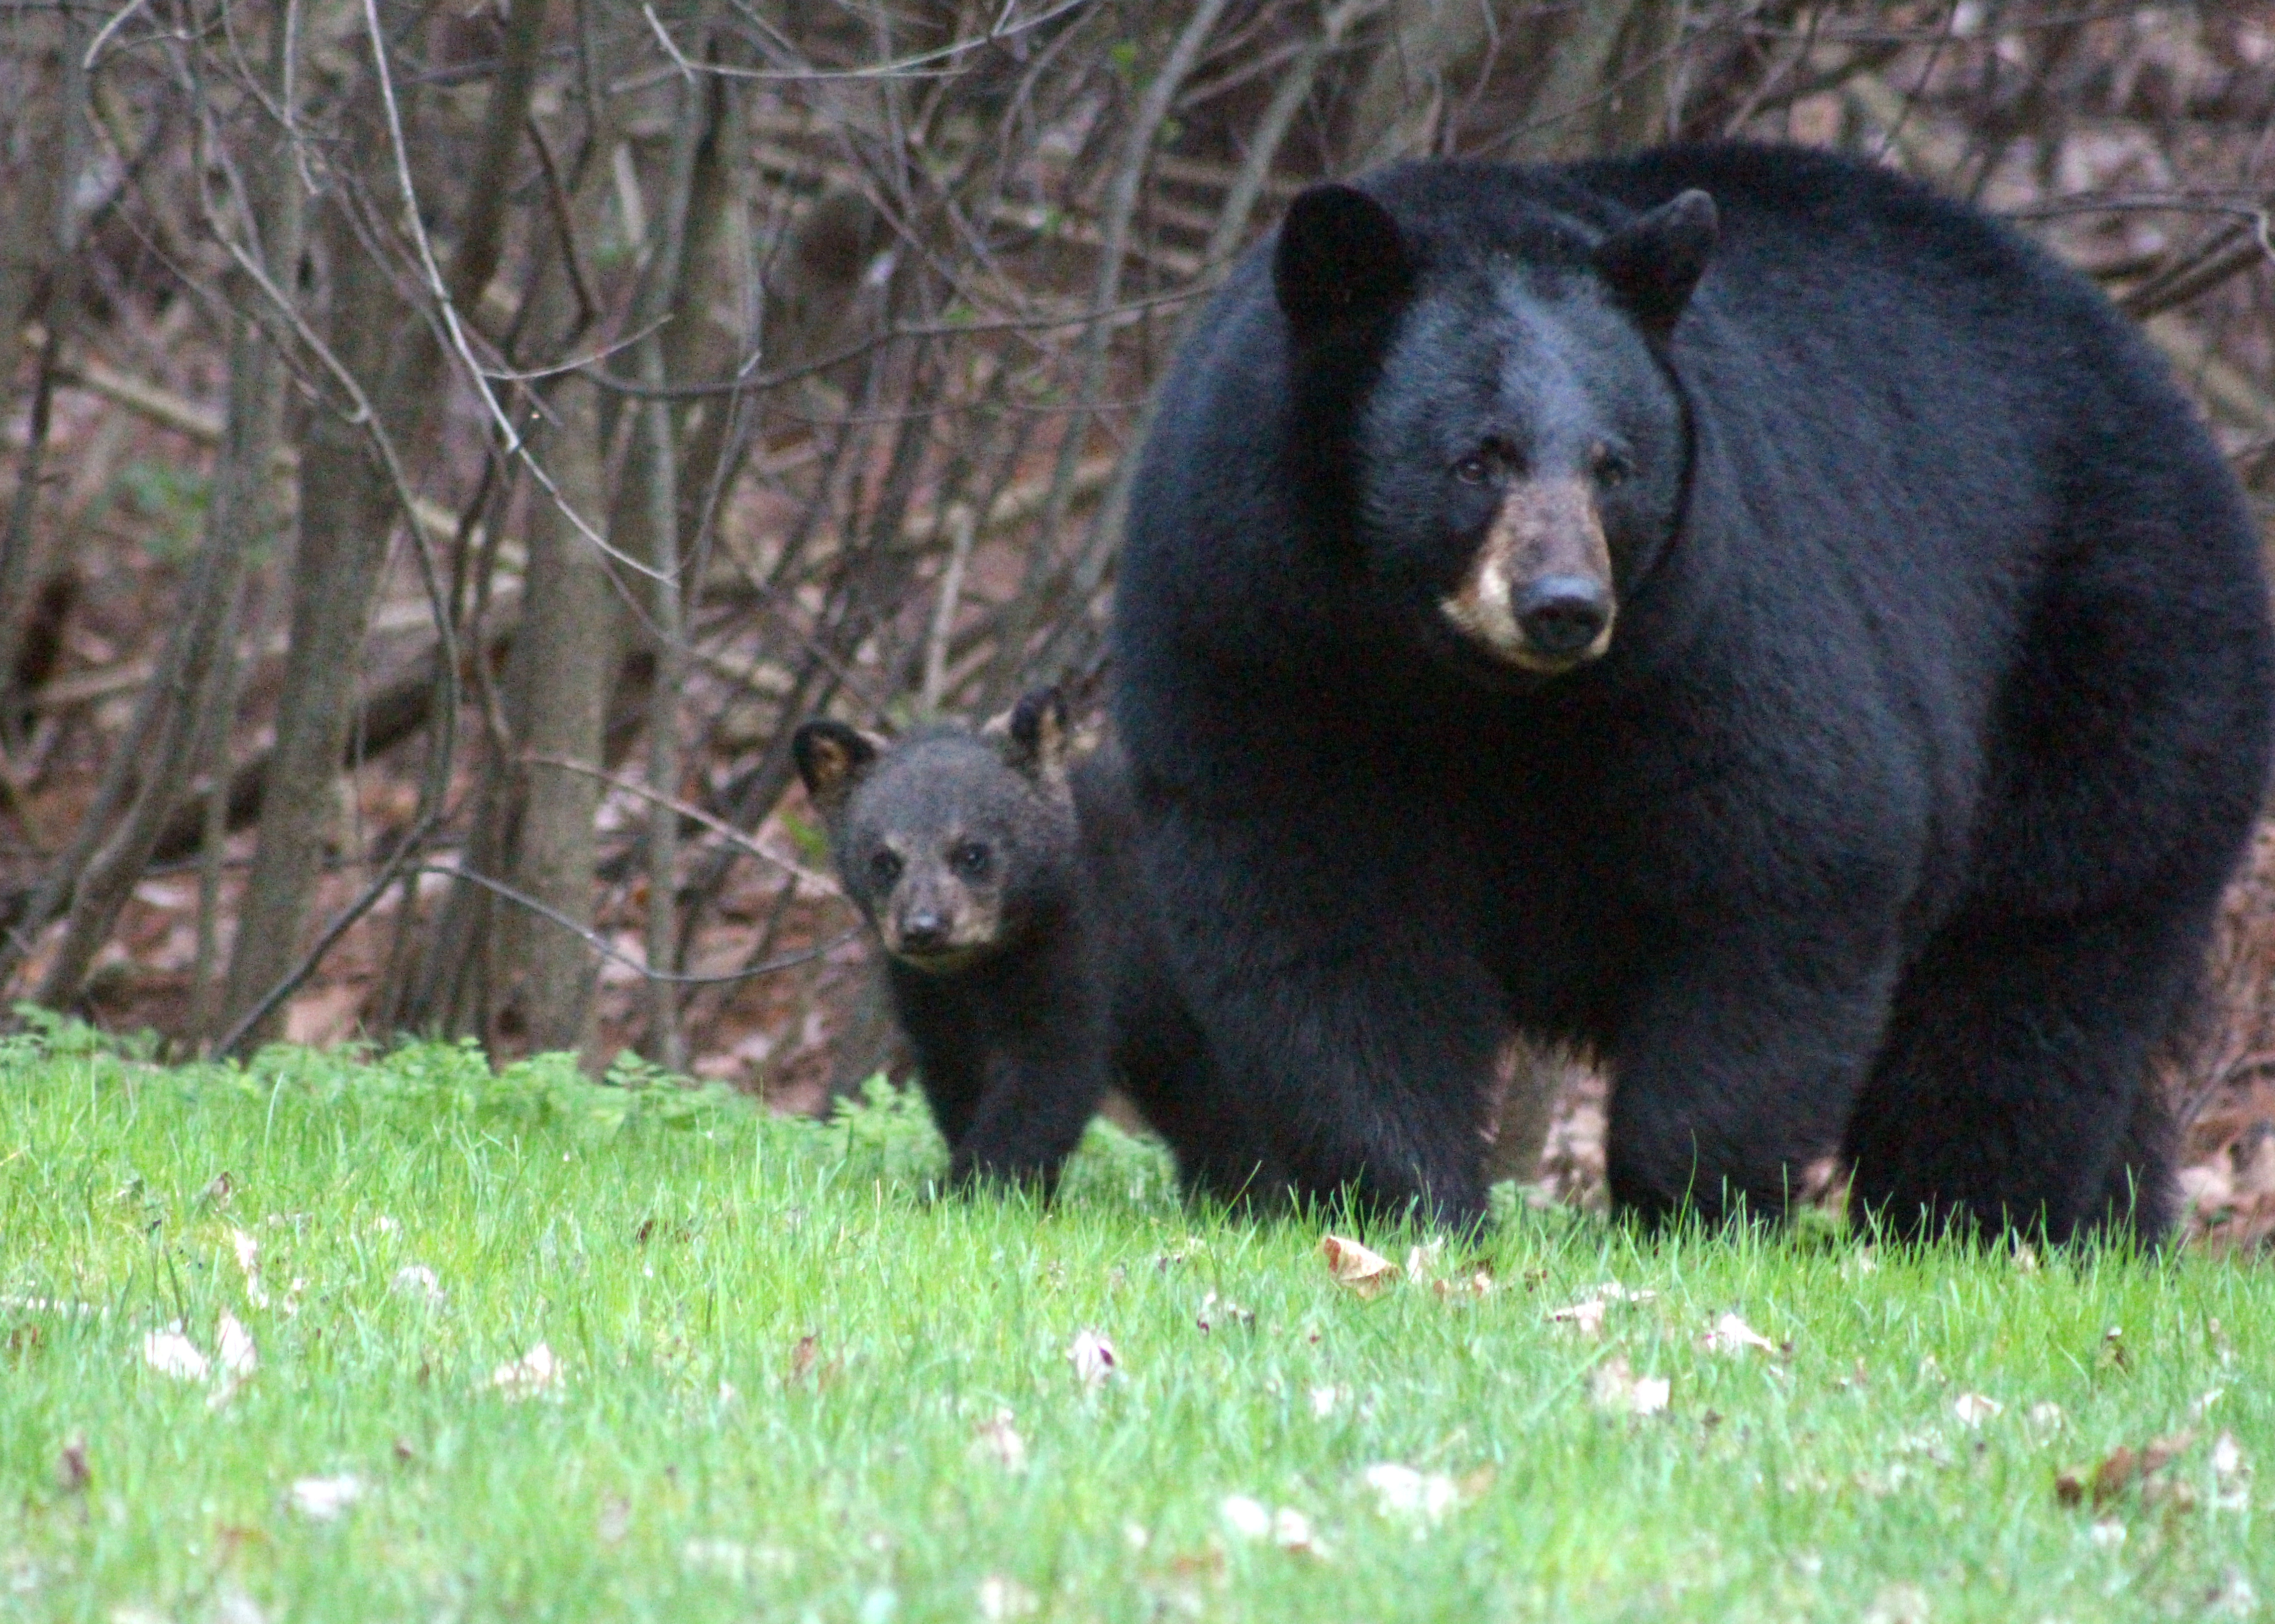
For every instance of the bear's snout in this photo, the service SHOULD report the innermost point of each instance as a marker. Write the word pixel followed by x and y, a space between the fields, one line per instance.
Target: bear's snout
pixel 923 931
pixel 1562 614
pixel 1539 592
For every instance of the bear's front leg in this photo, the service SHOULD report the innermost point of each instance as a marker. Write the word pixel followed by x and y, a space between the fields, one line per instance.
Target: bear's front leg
pixel 1737 1062
pixel 1044 1070
pixel 1348 1017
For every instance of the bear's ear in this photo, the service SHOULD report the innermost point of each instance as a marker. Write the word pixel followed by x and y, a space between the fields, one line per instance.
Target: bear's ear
pixel 1036 746
pixel 1340 254
pixel 832 758
pixel 1653 263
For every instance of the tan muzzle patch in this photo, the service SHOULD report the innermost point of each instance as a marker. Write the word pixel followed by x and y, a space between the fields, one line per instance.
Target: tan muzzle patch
pixel 1544 529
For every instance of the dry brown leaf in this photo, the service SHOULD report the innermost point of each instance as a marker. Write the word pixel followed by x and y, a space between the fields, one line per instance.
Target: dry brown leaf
pixel 1246 1518
pixel 1424 1497
pixel 1353 1265
pixel 616 1520
pixel 325 1498
pixel 248 1265
pixel 996 1440
pixel 1973 1409
pixel 1092 1358
pixel 1587 1317
pixel 170 1353
pixel 1001 1598
pixel 536 1373
pixel 1617 1388
pixel 1730 1334
pixel 803 1355
pixel 72 1470
pixel 1217 1311
pixel 420 1284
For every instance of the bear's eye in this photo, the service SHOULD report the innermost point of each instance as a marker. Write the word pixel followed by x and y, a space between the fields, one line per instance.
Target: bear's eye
pixel 1475 468
pixel 884 868
pixel 970 859
pixel 1609 467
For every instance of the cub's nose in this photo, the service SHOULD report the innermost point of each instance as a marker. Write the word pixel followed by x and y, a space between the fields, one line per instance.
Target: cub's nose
pixel 923 933
pixel 1563 614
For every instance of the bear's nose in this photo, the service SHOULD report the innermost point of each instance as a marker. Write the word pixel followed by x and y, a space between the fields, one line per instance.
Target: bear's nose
pixel 1563 614
pixel 921 933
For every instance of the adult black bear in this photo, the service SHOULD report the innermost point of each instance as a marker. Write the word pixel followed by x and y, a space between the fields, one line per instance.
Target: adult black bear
pixel 1727 608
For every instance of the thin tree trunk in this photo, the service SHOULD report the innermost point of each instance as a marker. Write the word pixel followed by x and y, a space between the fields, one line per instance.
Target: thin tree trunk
pixel 39 275
pixel 563 669
pixel 182 703
pixel 347 511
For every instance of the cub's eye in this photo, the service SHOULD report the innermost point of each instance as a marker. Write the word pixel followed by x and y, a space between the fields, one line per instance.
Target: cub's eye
pixel 884 868
pixel 969 859
pixel 1609 467
pixel 1474 469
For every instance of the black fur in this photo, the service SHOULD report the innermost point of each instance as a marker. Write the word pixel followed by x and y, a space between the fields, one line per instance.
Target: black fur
pixel 1009 1034
pixel 1892 818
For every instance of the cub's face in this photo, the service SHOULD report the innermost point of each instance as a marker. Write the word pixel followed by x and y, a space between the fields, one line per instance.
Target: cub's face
pixel 953 845
pixel 938 850
pixel 1519 450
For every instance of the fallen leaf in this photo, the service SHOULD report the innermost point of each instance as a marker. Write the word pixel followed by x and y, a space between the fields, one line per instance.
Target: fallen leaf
pixel 2233 1598
pixel 1092 1358
pixel 1001 1598
pixel 996 1440
pixel 803 1355
pixel 2047 1416
pixel 1364 1270
pixel 1324 1401
pixel 1217 1311
pixel 324 1499
pixel 1422 1260
pixel 2231 1478
pixel 1731 1334
pixel 420 1284
pixel 1585 1318
pixel 233 1348
pixel 248 1264
pixel 1401 1491
pixel 735 1561
pixel 235 1359
pixel 233 1606
pixel 1898 1603
pixel 536 1373
pixel 616 1520
pixel 170 1353
pixel 1291 1530
pixel 1247 1518
pixel 1620 1390
pixel 72 1471
pixel 1973 1409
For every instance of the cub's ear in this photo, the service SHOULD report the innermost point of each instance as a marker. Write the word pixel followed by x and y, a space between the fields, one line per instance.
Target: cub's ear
pixel 1653 263
pixel 832 758
pixel 1036 743
pixel 1340 254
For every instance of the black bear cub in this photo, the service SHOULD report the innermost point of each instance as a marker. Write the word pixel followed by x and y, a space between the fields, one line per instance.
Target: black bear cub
pixel 962 850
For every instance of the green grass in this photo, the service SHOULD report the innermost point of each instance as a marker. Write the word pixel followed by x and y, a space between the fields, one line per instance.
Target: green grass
pixel 702 1460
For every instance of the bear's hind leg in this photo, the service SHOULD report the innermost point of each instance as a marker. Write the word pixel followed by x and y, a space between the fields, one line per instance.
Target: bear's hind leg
pixel 2013 1089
